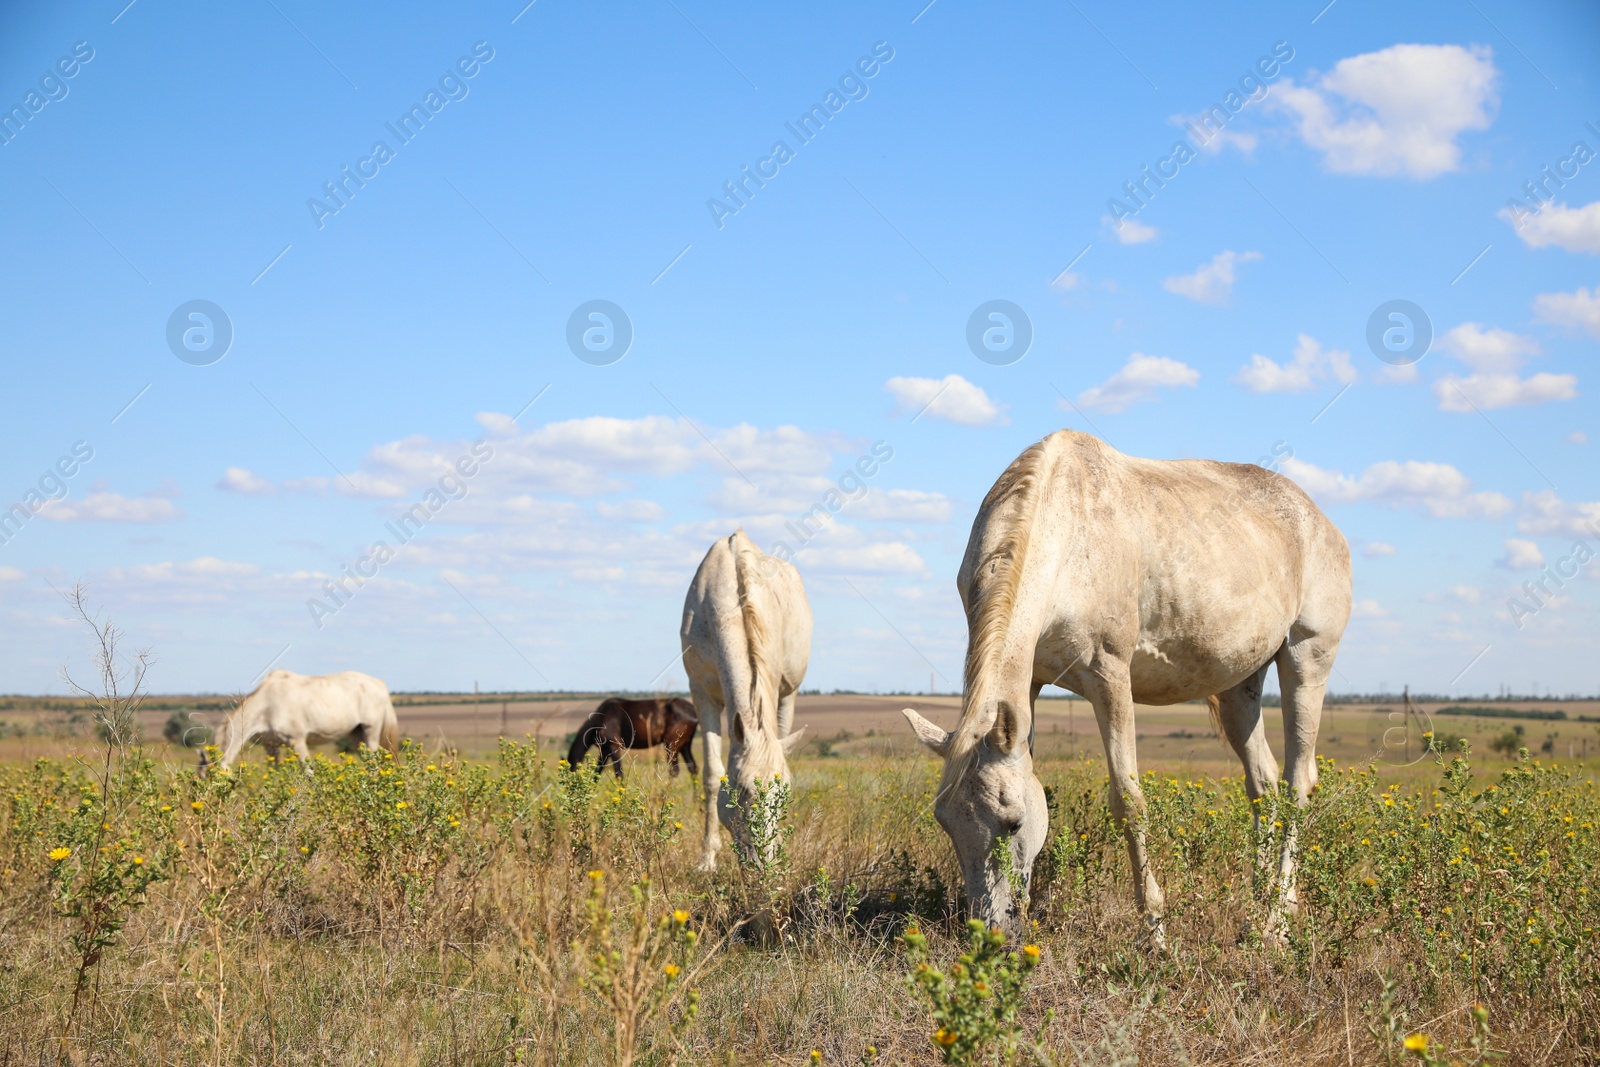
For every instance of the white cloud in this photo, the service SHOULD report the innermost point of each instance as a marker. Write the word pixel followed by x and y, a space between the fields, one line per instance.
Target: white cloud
pixel 11 574
pixel 1489 391
pixel 1522 555
pixel 1580 309
pixel 1375 549
pixel 1403 374
pixel 1132 231
pixel 1438 488
pixel 516 519
pixel 1137 382
pixel 951 398
pixel 1576 229
pixel 1311 364
pixel 1066 281
pixel 1488 349
pixel 577 457
pixel 1212 141
pixel 884 557
pixel 101 505
pixel 1397 111
pixel 1546 513
pixel 1494 356
pixel 205 580
pixel 1577 437
pixel 1367 609
pixel 631 510
pixel 1212 282
pixel 1467 594
pixel 904 505
pixel 239 480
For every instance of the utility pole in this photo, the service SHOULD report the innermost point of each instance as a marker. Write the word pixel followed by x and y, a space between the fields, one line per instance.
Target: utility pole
pixel 1406 693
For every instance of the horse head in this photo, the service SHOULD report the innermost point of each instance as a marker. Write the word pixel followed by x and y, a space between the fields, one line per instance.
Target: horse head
pixel 756 791
pixel 991 804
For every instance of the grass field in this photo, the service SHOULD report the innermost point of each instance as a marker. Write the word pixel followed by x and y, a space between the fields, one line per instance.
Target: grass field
pixel 469 903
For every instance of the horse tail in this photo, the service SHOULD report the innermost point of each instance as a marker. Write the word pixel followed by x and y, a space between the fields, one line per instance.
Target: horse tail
pixel 753 596
pixel 1214 708
pixel 389 735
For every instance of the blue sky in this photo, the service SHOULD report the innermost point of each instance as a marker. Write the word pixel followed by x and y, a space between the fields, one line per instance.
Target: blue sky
pixel 774 346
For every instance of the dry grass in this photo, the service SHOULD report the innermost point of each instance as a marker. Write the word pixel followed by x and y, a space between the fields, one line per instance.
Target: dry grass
pixel 385 913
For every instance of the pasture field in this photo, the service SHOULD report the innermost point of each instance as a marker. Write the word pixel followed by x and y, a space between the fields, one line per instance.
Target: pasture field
pixel 469 902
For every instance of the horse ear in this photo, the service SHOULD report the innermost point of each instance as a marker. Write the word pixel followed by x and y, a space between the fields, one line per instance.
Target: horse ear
pixel 792 740
pixel 1008 732
pixel 935 737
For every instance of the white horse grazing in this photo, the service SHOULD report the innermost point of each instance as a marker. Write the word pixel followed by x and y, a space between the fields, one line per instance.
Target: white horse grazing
pixel 746 643
pixel 1129 580
pixel 294 709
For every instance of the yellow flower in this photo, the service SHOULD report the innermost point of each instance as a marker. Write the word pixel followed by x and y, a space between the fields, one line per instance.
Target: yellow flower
pixel 197 805
pixel 672 970
pixel 399 804
pixel 1031 951
pixel 680 916
pixel 166 807
pixel 597 875
pixel 306 850
pixel 677 826
pixel 138 861
pixel 59 854
pixel 816 1055
pixel 1417 1043
pixel 945 1037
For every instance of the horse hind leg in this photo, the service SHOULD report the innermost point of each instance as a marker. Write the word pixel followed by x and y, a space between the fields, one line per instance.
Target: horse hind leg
pixel 680 742
pixel 687 752
pixel 302 750
pixel 1304 663
pixel 1237 714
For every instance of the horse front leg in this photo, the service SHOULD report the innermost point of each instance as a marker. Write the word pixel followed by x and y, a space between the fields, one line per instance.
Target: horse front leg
pixel 1112 698
pixel 611 751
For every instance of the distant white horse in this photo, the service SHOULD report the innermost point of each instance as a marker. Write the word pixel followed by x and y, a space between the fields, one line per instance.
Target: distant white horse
pixel 1129 580
pixel 746 643
pixel 296 709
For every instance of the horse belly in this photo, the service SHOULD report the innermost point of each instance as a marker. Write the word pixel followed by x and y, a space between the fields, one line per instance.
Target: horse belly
pixel 1170 668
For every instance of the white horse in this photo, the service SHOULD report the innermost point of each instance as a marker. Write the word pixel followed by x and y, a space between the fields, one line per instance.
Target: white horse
pixel 1127 580
pixel 296 709
pixel 746 643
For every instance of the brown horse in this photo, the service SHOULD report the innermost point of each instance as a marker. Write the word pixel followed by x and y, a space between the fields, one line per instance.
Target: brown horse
pixel 618 724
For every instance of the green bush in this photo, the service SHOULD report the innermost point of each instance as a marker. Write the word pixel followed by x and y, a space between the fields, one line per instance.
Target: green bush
pixel 183 729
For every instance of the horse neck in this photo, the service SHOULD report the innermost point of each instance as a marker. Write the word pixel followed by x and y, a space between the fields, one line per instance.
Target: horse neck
pixel 237 730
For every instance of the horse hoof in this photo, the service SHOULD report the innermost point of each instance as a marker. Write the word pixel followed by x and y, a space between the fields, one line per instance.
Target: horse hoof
pixel 1155 935
pixel 707 864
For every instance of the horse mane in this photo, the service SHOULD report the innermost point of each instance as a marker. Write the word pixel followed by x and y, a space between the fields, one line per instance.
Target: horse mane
pixel 757 637
pixel 1012 502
